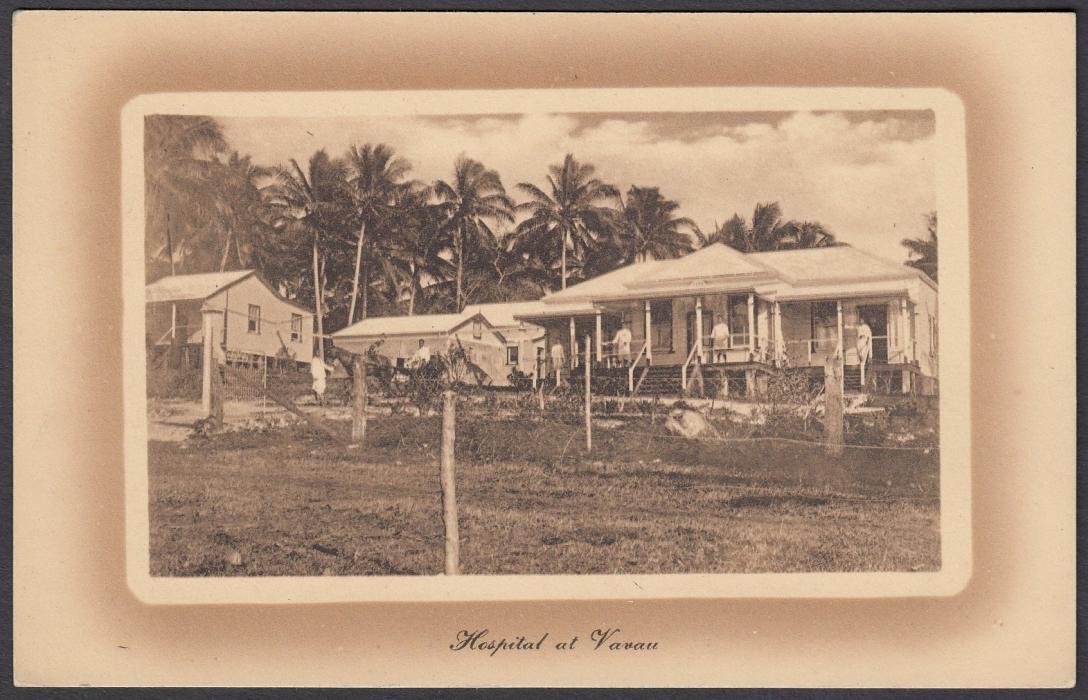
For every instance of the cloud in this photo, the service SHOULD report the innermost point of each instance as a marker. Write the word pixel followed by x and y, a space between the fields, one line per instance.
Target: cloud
pixel 868 178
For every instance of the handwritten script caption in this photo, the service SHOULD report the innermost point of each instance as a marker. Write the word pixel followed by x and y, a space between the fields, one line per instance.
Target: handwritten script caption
pixel 602 639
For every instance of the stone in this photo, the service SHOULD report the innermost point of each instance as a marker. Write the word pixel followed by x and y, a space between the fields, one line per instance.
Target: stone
pixel 688 423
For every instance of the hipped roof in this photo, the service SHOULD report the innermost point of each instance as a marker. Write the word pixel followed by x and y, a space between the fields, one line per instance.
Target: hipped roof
pixel 720 268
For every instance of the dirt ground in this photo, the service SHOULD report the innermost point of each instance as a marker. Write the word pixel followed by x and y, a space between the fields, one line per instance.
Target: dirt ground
pixel 288 502
pixel 172 421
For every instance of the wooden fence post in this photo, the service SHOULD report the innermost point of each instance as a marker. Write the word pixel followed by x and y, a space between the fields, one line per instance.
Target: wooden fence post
pixel 589 400
pixel 449 488
pixel 212 382
pixel 833 406
pixel 358 415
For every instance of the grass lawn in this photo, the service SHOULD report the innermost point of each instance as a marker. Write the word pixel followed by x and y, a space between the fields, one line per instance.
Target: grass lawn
pixel 532 502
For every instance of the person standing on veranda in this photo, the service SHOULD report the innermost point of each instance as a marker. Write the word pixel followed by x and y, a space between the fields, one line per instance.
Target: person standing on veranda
pixel 719 334
pixel 864 346
pixel 558 357
pixel 622 342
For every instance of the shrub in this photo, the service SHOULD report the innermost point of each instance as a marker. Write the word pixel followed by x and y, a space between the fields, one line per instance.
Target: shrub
pixel 166 383
pixel 868 429
pixel 520 381
pixel 789 403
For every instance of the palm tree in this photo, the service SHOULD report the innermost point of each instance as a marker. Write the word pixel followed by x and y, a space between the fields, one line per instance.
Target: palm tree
pixel 795 235
pixel 474 197
pixel 768 232
pixel 241 207
pixel 571 216
pixel 376 173
pixel 923 251
pixel 649 228
pixel 416 240
pixel 179 168
pixel 307 204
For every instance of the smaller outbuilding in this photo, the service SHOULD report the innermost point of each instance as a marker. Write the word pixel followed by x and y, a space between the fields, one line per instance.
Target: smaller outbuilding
pixel 258 323
pixel 407 338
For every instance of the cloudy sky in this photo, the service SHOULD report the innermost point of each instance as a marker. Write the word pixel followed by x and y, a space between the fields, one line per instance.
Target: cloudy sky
pixel 867 176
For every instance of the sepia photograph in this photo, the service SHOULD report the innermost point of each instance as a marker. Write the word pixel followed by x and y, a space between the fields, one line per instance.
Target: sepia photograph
pixel 630 342
pixel 499 349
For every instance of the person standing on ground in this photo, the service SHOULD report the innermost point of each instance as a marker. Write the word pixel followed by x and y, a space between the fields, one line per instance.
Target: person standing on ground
pixel 318 372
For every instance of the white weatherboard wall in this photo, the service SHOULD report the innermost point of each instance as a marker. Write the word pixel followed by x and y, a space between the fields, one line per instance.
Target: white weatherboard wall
pixel 925 327
pixel 275 316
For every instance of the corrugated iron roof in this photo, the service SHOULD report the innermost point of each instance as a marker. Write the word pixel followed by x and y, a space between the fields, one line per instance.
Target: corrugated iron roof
pixel 710 262
pixel 829 264
pixel 395 325
pixel 192 287
pixel 423 324
pixel 504 314
pixel 614 282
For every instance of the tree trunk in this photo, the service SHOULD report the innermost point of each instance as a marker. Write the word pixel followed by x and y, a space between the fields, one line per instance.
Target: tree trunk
pixel 366 291
pixel 563 258
pixel 226 250
pixel 412 293
pixel 317 307
pixel 358 264
pixel 175 347
pixel 459 244
pixel 170 245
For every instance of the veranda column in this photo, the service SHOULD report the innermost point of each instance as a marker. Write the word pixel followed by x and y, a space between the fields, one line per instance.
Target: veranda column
pixel 699 326
pixel 904 324
pixel 841 351
pixel 751 326
pixel 649 345
pixel 908 336
pixel 779 339
pixel 573 345
pixel 599 341
pixel 902 334
pixel 838 314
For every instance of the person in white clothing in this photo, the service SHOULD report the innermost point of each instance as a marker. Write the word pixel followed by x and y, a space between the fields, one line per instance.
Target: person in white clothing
pixel 422 355
pixel 864 346
pixel 318 371
pixel 719 334
pixel 622 341
pixel 558 357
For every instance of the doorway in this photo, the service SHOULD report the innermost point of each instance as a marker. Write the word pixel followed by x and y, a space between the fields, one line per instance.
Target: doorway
pixel 708 326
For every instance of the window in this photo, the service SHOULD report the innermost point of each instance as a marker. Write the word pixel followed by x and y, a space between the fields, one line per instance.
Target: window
pixel 511 354
pixel 738 319
pixel 825 326
pixel 477 329
pixel 254 319
pixel 296 327
pixel 661 326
